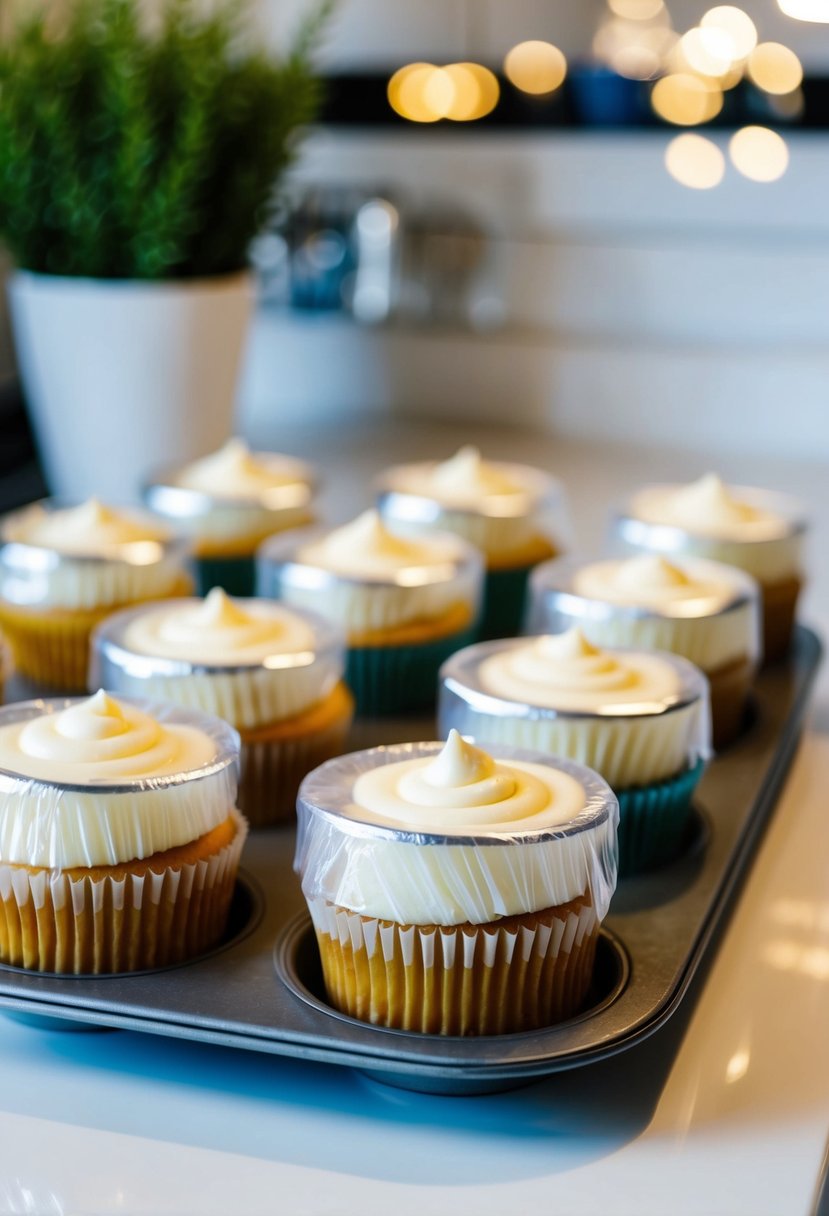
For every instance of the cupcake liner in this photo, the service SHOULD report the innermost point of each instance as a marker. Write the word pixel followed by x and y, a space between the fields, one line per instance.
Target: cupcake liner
pixel 504 596
pixel 50 921
pixel 653 821
pixel 532 971
pixel 397 679
pixel 779 608
pixel 236 575
pixel 52 647
pixel 272 769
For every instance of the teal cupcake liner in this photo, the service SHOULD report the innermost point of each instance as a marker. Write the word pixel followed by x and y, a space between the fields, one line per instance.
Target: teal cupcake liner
pixel 504 596
pixel 236 575
pixel 653 821
pixel 400 679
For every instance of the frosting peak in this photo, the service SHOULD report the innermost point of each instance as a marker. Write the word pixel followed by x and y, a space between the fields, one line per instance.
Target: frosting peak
pixel 92 530
pixel 236 472
pixel 562 647
pixel 366 548
pixel 218 611
pixel 468 473
pixel 101 717
pixel 650 572
pixel 458 764
pixel 709 502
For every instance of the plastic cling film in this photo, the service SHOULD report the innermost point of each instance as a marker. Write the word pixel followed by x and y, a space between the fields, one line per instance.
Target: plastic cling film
pixel 434 878
pixel 33 573
pixel 78 819
pixel 633 742
pixel 250 686
pixel 759 531
pixel 446 589
pixel 701 610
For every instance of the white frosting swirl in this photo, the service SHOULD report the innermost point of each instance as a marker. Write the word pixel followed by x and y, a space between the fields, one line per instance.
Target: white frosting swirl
pixel 52 812
pixel 568 673
pixel 90 530
pixel 234 472
pixel 466 478
pixel 219 631
pixel 463 791
pixel 101 741
pixel 651 581
pixel 366 549
pixel 709 508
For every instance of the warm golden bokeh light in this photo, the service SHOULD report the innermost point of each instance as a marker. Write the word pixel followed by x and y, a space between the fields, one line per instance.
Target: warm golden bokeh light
pixel 406 92
pixel 686 100
pixel 694 161
pixel 806 10
pixel 775 68
pixel 636 10
pixel 708 51
pixel 737 24
pixel 424 92
pixel 535 67
pixel 476 91
pixel 759 154
pixel 634 50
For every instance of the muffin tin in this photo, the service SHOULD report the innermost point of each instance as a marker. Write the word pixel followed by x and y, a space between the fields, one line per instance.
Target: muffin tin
pixel 261 989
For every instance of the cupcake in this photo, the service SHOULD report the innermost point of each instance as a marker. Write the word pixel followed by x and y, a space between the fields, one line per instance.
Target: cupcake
pixel 227 504
pixel 515 515
pixel 273 674
pixel 759 531
pixel 640 719
pixel 456 892
pixel 404 604
pixel 119 838
pixel 704 611
pixel 63 569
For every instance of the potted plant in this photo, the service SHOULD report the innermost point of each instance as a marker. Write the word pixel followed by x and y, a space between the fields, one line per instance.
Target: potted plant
pixel 138 156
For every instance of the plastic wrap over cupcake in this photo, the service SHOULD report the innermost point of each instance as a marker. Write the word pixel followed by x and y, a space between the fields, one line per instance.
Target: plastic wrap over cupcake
pixel 455 891
pixel 119 837
pixel 86 557
pixel 374 582
pixel 516 515
pixel 229 501
pixel 759 531
pixel 707 612
pixel 636 717
pixel 250 661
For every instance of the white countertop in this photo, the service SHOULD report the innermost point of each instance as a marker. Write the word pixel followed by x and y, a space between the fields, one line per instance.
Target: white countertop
pixel 724 1112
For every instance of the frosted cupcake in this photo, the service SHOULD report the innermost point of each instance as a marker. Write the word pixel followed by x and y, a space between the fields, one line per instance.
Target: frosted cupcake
pixel 404 604
pixel 759 531
pixel 273 674
pixel 453 891
pixel 228 503
pixel 639 719
pixel 514 514
pixel 63 569
pixel 707 612
pixel 119 838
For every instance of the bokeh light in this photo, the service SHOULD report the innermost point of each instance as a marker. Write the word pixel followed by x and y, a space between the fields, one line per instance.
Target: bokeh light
pixel 535 67
pixel 695 161
pixel 775 68
pixel 424 92
pixel 633 49
pixel 759 154
pixel 476 91
pixel 709 51
pixel 407 92
pixel 686 100
pixel 737 24
pixel 805 10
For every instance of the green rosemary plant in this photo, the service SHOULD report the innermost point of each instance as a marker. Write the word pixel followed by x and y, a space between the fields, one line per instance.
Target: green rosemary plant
pixel 144 150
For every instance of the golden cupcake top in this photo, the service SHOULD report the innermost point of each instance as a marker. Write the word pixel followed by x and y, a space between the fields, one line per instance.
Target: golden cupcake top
pixel 691 587
pixel 468 482
pixel 567 672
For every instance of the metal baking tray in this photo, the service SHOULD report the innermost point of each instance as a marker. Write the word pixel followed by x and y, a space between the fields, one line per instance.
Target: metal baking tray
pixel 262 990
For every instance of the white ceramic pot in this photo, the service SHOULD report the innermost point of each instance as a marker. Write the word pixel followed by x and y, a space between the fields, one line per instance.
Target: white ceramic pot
pixel 123 376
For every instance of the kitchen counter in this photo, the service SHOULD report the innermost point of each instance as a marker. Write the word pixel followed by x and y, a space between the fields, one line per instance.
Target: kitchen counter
pixel 724 1112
